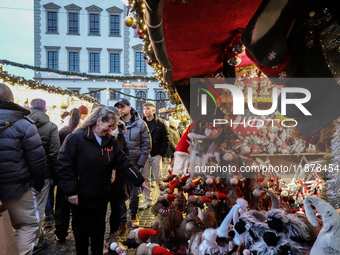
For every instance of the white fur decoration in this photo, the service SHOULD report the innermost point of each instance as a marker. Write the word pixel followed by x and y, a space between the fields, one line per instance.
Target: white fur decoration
pixel 222 231
pixel 328 241
pixel 209 241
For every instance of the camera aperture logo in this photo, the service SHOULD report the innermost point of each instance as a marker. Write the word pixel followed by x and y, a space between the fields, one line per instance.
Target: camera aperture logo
pixel 239 102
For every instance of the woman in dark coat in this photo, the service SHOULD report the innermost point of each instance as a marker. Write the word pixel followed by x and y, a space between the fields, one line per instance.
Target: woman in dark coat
pixel 62 208
pixel 86 160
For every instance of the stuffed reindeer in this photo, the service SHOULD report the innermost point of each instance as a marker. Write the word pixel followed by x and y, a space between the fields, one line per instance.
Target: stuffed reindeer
pixel 328 239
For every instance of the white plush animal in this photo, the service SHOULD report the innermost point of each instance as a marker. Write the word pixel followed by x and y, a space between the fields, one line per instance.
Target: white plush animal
pixel 209 243
pixel 328 241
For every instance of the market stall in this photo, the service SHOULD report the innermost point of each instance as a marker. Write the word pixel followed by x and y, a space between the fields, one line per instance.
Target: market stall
pixel 57 99
pixel 264 51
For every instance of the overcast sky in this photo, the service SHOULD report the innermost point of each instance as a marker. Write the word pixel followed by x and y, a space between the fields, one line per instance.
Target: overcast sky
pixel 17 34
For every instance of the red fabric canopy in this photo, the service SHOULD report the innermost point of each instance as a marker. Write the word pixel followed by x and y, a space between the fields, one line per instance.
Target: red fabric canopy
pixel 197 33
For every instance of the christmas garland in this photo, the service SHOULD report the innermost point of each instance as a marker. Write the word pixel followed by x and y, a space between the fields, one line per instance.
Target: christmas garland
pixel 20 81
pixel 89 76
pixel 138 10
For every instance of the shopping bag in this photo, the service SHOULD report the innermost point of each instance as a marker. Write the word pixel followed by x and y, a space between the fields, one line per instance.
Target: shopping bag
pixel 8 244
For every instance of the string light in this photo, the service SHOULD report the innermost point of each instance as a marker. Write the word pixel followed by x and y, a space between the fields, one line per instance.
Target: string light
pixel 32 84
pixel 74 74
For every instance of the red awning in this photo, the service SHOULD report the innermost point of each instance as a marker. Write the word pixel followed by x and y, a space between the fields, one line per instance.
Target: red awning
pixel 197 33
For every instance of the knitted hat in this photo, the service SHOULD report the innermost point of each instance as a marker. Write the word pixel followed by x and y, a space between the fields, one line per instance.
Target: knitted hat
pixel 222 196
pixel 83 109
pixel 159 250
pixel 142 235
pixel 196 181
pixel 170 197
pixel 205 199
pixel 184 177
pixel 171 189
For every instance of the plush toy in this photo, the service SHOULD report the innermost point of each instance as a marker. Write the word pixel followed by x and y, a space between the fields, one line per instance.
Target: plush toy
pixel 208 244
pixel 191 224
pixel 211 186
pixel 191 204
pixel 256 201
pixel 220 185
pixel 195 230
pixel 138 236
pixel 329 237
pixel 164 220
pixel 275 203
pixel 152 249
pixel 299 190
pixel 180 201
pixel 209 217
pixel 168 177
pixel 239 208
pixel 273 244
pixel 271 148
pixel 249 228
pixel 191 185
pixel 181 158
pixel 115 247
pixel 289 224
pixel 234 192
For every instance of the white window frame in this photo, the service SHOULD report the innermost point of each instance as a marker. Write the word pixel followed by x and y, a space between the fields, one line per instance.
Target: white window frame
pixel 93 9
pixel 94 50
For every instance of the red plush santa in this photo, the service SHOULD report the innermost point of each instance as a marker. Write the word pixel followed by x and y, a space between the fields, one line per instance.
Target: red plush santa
pixel 181 158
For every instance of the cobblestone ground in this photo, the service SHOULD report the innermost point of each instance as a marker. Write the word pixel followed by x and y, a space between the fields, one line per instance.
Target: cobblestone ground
pixel 145 220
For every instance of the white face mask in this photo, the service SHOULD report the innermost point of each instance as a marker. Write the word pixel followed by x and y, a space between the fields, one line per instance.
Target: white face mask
pixel 115 132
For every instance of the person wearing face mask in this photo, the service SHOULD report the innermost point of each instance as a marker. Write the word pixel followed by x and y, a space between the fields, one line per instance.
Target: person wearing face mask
pixel 86 160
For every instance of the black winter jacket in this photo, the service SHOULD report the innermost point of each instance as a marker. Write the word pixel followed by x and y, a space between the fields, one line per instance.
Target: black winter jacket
pixel 85 167
pixel 159 137
pixel 22 156
pixel 49 135
pixel 121 178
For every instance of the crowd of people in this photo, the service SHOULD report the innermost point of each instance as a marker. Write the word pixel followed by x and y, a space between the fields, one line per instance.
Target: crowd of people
pixel 92 158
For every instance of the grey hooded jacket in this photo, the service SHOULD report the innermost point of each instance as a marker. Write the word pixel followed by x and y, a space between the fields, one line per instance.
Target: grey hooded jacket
pixel 138 139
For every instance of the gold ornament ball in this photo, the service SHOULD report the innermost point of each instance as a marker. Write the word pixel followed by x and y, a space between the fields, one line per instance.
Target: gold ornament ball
pixel 128 21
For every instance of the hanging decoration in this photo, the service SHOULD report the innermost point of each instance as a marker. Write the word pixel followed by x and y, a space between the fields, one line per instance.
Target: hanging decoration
pixel 138 10
pixel 83 75
pixel 20 81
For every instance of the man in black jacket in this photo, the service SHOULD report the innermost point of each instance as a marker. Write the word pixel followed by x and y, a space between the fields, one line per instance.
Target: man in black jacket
pixel 49 135
pixel 22 169
pixel 160 143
